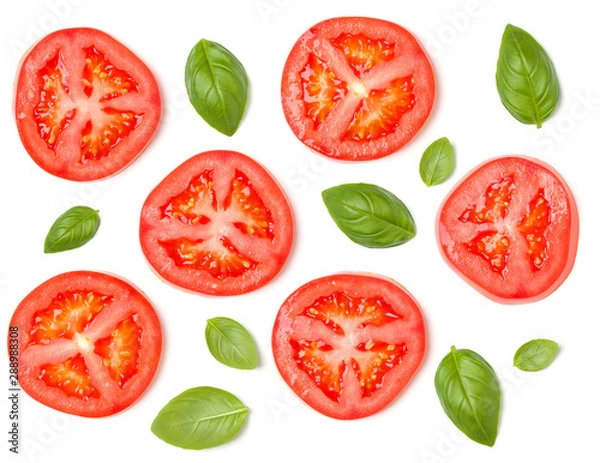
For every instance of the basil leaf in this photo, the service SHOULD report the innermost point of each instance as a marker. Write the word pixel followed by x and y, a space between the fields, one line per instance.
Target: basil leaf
pixel 437 162
pixel 230 343
pixel 72 229
pixel 535 355
pixel 526 78
pixel 217 85
pixel 469 392
pixel 369 215
pixel 200 418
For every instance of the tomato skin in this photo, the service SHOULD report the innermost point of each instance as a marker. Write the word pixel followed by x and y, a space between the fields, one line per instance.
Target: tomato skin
pixel 520 280
pixel 125 136
pixel 198 211
pixel 333 134
pixel 350 336
pixel 39 358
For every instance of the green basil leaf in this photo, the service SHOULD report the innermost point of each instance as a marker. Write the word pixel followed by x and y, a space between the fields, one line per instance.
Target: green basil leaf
pixel 230 343
pixel 526 78
pixel 72 229
pixel 535 355
pixel 469 392
pixel 217 85
pixel 369 215
pixel 200 418
pixel 437 162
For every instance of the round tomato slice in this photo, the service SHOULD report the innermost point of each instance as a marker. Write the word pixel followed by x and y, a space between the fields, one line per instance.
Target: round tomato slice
pixel 357 88
pixel 219 224
pixel 510 229
pixel 348 344
pixel 88 344
pixel 85 105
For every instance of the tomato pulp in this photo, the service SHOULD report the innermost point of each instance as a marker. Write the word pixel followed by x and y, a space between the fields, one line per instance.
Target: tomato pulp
pixel 85 105
pixel 357 88
pixel 88 344
pixel 348 344
pixel 510 229
pixel 219 224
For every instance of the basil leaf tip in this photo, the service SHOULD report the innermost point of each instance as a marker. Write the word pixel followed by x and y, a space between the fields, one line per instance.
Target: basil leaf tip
pixel 437 162
pixel 217 86
pixel 369 215
pixel 535 355
pixel 469 392
pixel 231 344
pixel 72 229
pixel 526 79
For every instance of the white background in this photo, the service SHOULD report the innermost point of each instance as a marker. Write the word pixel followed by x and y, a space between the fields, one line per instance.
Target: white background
pixel 549 416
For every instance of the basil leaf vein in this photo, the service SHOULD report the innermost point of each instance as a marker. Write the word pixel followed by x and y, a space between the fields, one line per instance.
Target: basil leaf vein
pixel 72 229
pixel 230 343
pixel 217 86
pixel 535 355
pixel 437 162
pixel 200 418
pixel 526 78
pixel 369 215
pixel 469 392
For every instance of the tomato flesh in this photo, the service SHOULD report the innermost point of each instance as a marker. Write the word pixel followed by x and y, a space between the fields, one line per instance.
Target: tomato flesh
pixel 86 106
pixel 357 88
pixel 511 229
pixel 348 344
pixel 90 343
pixel 218 224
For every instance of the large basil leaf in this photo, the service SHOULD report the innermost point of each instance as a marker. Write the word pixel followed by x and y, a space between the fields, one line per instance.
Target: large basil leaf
pixel 369 215
pixel 535 355
pixel 526 78
pixel 200 418
pixel 217 85
pixel 437 162
pixel 469 392
pixel 72 229
pixel 230 343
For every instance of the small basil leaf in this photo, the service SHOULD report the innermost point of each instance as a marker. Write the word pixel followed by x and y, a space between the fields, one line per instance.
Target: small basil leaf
pixel 369 215
pixel 525 77
pixel 72 229
pixel 535 355
pixel 200 418
pixel 230 343
pixel 469 392
pixel 217 86
pixel 437 162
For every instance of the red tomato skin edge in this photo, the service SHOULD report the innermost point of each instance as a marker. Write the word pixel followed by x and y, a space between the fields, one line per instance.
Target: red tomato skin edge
pixel 574 233
pixel 155 356
pixel 353 414
pixel 29 147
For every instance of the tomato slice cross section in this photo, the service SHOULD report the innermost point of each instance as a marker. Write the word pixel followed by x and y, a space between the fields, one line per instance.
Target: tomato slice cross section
pixel 219 224
pixel 86 106
pixel 89 343
pixel 510 228
pixel 357 88
pixel 348 344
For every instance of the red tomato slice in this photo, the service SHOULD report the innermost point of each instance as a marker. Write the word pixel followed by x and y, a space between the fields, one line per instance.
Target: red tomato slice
pixel 85 105
pixel 349 344
pixel 219 224
pixel 89 343
pixel 510 228
pixel 357 88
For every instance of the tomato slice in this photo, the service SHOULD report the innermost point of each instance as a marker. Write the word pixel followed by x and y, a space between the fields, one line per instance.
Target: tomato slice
pixel 89 343
pixel 357 88
pixel 85 105
pixel 349 344
pixel 510 228
pixel 219 224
